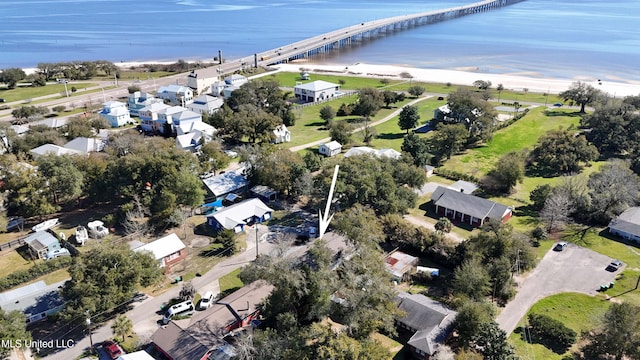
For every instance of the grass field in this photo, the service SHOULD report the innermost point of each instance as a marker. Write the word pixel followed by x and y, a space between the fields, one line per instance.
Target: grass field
pixel 11 261
pixel 576 311
pixel 230 281
pixel 27 92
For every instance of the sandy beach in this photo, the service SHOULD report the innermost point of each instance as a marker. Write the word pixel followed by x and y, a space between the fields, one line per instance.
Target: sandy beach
pixel 517 82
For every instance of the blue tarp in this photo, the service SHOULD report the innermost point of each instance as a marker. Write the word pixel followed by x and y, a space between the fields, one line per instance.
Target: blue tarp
pixel 217 203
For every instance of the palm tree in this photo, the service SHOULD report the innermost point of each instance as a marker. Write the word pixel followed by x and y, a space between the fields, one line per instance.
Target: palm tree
pixel 122 326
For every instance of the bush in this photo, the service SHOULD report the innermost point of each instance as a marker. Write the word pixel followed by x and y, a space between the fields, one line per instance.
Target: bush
pixel 59 108
pixel 551 333
pixel 455 175
pixel 43 268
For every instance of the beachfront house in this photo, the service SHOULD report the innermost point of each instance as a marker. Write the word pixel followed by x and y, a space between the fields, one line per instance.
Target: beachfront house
pixel 316 91
pixel 236 80
pixel 200 80
pixel 116 113
pixel 168 251
pixel 86 145
pixel 139 100
pixel 236 216
pixel 149 116
pixel 176 94
pixel 331 148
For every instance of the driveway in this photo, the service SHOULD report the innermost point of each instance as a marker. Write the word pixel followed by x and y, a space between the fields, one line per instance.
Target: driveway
pixel 576 269
pixel 420 222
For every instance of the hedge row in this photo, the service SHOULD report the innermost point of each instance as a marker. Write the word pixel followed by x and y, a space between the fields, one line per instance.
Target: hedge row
pixel 455 175
pixel 43 268
pixel 551 333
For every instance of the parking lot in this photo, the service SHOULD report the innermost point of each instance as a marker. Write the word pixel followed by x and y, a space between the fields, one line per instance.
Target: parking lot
pixel 575 269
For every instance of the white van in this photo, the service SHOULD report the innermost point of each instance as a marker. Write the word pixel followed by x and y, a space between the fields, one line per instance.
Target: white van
pixel 206 300
pixel 184 308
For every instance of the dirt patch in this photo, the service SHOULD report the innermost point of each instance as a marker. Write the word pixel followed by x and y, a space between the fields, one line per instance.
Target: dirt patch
pixel 199 242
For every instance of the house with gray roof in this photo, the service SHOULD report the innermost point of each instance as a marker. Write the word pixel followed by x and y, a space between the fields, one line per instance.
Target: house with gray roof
pixel 176 94
pixel 116 113
pixel 139 100
pixel 205 104
pixel 36 301
pixel 316 91
pixel 426 325
pixel 627 224
pixel 232 181
pixel 236 216
pixel 463 207
pixel 176 343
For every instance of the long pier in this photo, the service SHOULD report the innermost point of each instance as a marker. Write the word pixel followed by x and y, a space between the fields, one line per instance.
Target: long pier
pixel 349 36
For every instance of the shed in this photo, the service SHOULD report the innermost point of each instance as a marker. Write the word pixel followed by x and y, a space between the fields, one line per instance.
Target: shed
pixel 428 170
pixel 265 193
pixel 330 149
pixel 42 242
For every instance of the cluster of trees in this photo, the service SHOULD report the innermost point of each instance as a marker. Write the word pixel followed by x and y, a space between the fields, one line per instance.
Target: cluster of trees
pixel 14 331
pixel 149 175
pixel 302 299
pixel 104 279
pixel 598 198
pixel 618 336
pixel 474 112
pixel 12 76
pixel 384 184
pixel 549 332
pixel 252 112
pixel 75 70
pixel 562 152
pixel 25 114
pixel 280 169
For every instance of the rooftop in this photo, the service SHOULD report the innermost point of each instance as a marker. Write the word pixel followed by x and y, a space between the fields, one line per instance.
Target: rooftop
pixel 164 246
pixel 317 85
pixel 628 221
pixel 468 204
pixel 225 183
pixel 32 299
pixel 234 215
pixel 40 240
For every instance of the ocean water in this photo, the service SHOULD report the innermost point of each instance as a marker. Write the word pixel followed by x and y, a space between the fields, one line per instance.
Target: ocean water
pixel 545 38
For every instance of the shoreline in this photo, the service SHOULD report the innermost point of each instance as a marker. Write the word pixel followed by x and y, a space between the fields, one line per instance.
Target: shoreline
pixel 514 81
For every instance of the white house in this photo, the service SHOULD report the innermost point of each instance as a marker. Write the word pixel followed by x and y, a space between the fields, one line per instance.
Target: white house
pixel 176 94
pixel 54 149
pixel 217 88
pixel 236 80
pixel 235 217
pixel 85 145
pixel 139 100
pixel 330 149
pixel 116 113
pixel 627 224
pixel 282 134
pixel 174 116
pixel 316 91
pixel 205 104
pixel 186 127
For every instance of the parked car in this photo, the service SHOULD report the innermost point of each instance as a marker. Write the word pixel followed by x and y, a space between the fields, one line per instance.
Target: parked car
pixel 557 105
pixel 112 349
pixel 560 246
pixel 206 300
pixel 615 265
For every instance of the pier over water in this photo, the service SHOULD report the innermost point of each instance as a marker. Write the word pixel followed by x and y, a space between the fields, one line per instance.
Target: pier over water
pixel 353 35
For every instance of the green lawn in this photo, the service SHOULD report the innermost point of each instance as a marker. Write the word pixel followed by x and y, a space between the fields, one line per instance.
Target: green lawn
pixel 27 92
pixel 576 311
pixel 11 261
pixel 523 134
pixel 230 281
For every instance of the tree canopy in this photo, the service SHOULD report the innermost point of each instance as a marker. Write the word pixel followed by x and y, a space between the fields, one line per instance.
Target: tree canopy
pixel 470 109
pixel 12 76
pixel 408 118
pixel 614 129
pixel 561 152
pixel 582 94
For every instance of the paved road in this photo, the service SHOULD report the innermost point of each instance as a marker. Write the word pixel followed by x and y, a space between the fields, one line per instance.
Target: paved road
pixel 576 269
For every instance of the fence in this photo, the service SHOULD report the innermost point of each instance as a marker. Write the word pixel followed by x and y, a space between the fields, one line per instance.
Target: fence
pixel 341 95
pixel 13 243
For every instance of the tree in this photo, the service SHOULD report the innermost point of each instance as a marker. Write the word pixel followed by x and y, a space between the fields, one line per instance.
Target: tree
pixel 313 161
pixel 448 140
pixel 619 335
pixel 470 316
pixel 418 148
pixel 582 94
pixel 471 279
pixel 408 118
pixel 64 180
pixel 470 109
pixel 613 189
pixel 212 157
pixel 340 131
pixel 327 114
pixel 11 76
pixel 133 88
pixel 500 89
pixel 391 97
pixel 550 332
pixel 79 127
pixel 277 169
pixel 122 326
pixel 613 128
pixel 25 114
pixel 443 225
pixel 491 341
pixel 539 195
pixel 557 209
pixel 560 151
pixel 188 291
pixel 105 278
pixel 482 84
pixel 509 170
pixel 369 102
pixel 14 330
pixel 416 90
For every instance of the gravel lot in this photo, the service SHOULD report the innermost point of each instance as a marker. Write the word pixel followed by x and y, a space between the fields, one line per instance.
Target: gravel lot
pixel 575 269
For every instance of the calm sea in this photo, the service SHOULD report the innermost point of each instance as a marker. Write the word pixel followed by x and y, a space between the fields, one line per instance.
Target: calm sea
pixel 550 38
